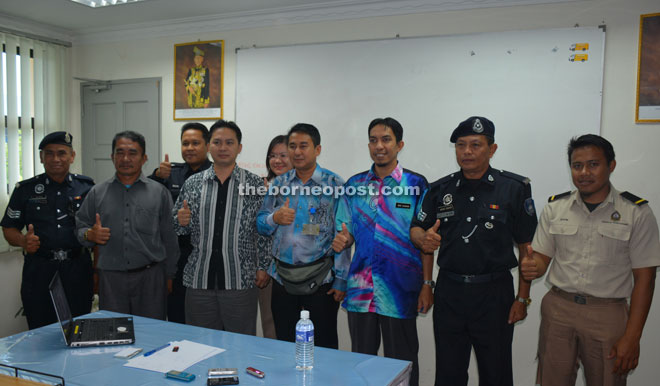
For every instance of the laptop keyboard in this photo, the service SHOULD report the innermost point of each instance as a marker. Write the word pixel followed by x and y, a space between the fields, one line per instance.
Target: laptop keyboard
pixel 97 329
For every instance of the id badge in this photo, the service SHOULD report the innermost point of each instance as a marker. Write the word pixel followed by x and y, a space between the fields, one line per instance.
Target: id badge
pixel 311 229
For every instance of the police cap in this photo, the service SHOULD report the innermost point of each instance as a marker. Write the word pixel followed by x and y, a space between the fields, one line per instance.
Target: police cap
pixel 474 126
pixel 58 138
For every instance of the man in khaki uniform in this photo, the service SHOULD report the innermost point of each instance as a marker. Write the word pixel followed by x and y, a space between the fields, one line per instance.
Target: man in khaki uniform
pixel 604 247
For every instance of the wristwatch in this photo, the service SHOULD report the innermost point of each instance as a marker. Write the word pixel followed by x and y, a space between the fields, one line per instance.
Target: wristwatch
pixel 429 283
pixel 525 301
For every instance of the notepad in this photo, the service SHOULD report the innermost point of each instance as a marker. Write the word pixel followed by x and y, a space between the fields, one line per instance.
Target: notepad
pixel 165 360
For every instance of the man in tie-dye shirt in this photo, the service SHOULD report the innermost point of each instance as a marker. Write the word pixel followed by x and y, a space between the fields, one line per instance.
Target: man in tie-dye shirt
pixel 388 283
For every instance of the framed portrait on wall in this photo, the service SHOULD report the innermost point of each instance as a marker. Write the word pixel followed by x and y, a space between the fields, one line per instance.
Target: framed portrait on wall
pixel 648 71
pixel 198 80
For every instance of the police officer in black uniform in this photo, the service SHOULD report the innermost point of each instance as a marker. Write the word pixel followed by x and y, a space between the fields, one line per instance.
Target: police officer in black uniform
pixel 45 205
pixel 194 150
pixel 474 216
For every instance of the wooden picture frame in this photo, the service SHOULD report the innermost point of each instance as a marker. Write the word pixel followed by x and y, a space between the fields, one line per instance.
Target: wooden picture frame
pixel 647 107
pixel 198 80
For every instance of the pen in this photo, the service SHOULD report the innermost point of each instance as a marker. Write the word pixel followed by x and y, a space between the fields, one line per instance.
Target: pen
pixel 146 354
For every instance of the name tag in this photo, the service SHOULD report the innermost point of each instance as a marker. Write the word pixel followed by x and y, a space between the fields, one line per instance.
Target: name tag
pixel 402 205
pixel 311 229
pixel 445 211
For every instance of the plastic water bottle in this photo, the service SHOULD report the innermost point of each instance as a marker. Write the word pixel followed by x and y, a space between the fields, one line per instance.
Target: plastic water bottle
pixel 304 342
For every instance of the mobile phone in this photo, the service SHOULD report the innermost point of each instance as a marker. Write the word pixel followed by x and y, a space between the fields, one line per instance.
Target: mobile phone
pixel 255 372
pixel 222 376
pixel 180 375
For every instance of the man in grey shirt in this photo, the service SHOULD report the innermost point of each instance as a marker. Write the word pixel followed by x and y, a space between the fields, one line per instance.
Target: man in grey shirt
pixel 128 217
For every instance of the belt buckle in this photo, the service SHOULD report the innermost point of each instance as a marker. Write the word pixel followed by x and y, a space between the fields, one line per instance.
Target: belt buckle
pixel 579 299
pixel 468 278
pixel 60 255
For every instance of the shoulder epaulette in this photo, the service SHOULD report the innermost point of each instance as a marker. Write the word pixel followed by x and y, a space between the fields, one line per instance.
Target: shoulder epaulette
pixel 558 196
pixel 634 199
pixel 515 176
pixel 444 179
pixel 29 180
pixel 83 178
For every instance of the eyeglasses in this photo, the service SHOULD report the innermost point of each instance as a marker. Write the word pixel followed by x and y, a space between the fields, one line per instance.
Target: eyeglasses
pixel 280 156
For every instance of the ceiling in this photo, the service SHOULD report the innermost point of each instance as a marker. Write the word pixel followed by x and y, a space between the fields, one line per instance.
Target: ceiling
pixel 69 21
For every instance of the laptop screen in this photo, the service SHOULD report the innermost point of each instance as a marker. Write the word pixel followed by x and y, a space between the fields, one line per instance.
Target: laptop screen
pixel 61 305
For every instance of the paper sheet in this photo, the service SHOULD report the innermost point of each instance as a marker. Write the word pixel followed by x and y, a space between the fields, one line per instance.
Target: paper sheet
pixel 165 360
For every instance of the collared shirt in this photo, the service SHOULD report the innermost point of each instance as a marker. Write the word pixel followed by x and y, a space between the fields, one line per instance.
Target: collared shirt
pixel 479 220
pixel 241 244
pixel 385 275
pixel 594 253
pixel 315 211
pixel 50 207
pixel 140 224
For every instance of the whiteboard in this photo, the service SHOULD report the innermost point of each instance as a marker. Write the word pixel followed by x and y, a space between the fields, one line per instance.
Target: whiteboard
pixel 521 80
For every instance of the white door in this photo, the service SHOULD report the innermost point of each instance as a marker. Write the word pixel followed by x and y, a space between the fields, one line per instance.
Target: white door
pixel 106 111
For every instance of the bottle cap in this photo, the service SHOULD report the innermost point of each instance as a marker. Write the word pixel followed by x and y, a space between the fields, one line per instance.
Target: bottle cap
pixel 304 314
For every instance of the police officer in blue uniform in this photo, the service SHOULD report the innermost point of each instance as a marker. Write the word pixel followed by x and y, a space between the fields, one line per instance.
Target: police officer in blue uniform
pixel 474 216
pixel 45 205
pixel 194 149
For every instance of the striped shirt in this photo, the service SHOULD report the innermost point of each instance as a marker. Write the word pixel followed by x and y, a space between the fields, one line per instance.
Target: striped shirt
pixel 242 246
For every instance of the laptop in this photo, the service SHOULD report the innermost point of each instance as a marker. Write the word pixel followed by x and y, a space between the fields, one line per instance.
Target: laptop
pixel 88 332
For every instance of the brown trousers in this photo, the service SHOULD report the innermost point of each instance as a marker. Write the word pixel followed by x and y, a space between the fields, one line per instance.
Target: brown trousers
pixel 572 333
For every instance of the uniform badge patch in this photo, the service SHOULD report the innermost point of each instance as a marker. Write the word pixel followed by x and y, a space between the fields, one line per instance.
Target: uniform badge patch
pixel 447 199
pixel 529 207
pixel 616 216
pixel 15 214
pixel 421 216
pixel 39 188
pixel 490 178
pixel 477 127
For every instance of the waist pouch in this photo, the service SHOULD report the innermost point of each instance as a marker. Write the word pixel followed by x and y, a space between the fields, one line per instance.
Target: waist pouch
pixel 304 279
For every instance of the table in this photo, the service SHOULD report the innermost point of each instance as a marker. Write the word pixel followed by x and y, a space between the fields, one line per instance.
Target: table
pixel 44 350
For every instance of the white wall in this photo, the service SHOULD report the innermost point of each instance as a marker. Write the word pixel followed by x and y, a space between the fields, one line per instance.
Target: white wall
pixel 636 145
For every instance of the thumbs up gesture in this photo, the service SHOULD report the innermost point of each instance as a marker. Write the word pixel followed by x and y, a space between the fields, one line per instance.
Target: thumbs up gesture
pixel 284 215
pixel 432 239
pixel 528 265
pixel 342 240
pixel 164 169
pixel 184 214
pixel 97 233
pixel 32 242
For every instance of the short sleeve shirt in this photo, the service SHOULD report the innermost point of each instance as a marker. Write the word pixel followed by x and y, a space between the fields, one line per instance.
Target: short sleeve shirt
pixel 594 253
pixel 50 207
pixel 479 220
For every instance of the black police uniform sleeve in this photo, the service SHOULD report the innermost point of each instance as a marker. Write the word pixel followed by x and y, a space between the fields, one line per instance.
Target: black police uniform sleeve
pixel 524 215
pixel 154 177
pixel 15 212
pixel 427 216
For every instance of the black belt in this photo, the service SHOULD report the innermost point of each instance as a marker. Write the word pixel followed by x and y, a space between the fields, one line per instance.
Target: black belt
pixel 143 268
pixel 470 279
pixel 60 254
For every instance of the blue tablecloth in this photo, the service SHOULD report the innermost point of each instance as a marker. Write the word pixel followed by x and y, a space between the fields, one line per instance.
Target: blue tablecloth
pixel 44 350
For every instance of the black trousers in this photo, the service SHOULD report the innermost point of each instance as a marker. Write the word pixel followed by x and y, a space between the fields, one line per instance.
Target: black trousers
pixel 176 302
pixel 77 280
pixel 473 315
pixel 322 311
pixel 399 338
